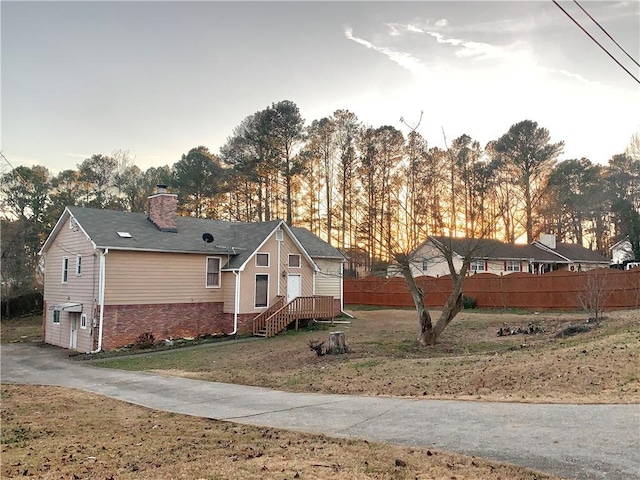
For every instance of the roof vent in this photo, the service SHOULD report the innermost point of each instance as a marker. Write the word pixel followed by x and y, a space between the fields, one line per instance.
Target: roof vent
pixel 124 235
pixel 161 188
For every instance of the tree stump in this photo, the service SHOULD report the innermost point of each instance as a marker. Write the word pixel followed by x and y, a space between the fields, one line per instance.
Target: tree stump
pixel 337 343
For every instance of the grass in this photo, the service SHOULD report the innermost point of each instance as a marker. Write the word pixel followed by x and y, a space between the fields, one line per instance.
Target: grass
pixel 469 362
pixel 52 433
pixel 25 329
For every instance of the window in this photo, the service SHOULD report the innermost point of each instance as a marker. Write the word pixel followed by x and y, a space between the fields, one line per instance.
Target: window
pixel 477 266
pixel 83 320
pixel 425 264
pixel 512 266
pixel 213 272
pixel 294 260
pixel 262 259
pixel 65 269
pixel 78 265
pixel 262 290
pixel 56 316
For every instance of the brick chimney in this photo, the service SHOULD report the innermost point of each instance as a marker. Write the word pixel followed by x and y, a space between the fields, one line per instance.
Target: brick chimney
pixel 162 209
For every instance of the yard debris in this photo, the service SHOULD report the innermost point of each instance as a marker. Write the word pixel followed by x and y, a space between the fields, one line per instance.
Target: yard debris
pixel 573 330
pixel 530 329
pixel 317 347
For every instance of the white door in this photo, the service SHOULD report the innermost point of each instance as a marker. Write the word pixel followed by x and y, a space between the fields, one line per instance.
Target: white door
pixel 74 330
pixel 293 287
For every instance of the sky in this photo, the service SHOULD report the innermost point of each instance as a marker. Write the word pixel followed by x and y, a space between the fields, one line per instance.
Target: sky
pixel 159 78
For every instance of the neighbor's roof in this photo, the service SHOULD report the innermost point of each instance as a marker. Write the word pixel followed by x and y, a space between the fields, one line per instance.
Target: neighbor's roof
pixel 490 249
pixel 237 239
pixel 577 253
pixel 497 250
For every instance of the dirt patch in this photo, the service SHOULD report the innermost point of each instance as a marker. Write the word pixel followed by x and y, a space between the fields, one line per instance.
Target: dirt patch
pixel 52 433
pixel 470 362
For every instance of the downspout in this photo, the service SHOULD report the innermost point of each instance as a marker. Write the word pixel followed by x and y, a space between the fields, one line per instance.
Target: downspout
pixel 342 291
pixel 279 264
pixel 102 278
pixel 236 303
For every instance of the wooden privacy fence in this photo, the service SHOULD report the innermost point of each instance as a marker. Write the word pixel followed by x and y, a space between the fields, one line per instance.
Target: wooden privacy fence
pixel 554 290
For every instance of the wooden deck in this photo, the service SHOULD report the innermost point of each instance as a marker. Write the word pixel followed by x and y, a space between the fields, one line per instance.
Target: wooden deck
pixel 280 314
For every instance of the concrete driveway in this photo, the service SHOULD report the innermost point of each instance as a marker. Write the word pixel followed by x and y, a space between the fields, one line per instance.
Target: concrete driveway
pixel 576 441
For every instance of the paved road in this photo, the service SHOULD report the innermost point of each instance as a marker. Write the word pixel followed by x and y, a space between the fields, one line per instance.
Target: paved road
pixel 576 441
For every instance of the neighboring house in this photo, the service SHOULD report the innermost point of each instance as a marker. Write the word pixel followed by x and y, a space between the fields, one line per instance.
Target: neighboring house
pixel 622 252
pixel 111 276
pixel 499 258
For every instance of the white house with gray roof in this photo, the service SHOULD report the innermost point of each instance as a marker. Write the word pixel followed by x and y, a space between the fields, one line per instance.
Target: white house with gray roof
pixel 113 276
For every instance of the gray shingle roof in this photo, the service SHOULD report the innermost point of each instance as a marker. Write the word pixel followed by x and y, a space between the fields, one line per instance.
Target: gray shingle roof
pixel 239 239
pixel 497 250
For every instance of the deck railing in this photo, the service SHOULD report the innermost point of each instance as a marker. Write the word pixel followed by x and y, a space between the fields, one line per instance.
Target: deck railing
pixel 300 308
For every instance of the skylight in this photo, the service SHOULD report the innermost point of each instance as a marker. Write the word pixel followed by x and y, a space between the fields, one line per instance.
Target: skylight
pixel 124 234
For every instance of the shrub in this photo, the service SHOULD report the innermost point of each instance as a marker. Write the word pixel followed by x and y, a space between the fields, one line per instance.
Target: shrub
pixel 468 302
pixel 145 340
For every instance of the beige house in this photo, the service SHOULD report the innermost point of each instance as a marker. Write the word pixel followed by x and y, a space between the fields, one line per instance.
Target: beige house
pixel 499 258
pixel 112 276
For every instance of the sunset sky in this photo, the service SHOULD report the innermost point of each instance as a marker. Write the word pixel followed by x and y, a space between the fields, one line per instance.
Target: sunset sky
pixel 159 78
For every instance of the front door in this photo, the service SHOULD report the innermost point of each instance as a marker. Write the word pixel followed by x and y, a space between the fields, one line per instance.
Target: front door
pixel 294 285
pixel 74 330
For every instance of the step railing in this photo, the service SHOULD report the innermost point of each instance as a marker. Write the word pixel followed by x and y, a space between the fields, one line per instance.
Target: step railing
pixel 259 321
pixel 300 308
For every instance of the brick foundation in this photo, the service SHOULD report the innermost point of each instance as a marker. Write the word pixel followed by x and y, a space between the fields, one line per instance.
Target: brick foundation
pixel 123 324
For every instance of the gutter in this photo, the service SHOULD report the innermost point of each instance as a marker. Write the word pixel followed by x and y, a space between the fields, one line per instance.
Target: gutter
pixel 102 279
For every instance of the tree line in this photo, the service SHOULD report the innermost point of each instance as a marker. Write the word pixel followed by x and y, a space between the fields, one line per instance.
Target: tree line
pixel 360 187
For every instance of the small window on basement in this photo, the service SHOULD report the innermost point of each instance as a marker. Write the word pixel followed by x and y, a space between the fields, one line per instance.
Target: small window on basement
pixel 262 259
pixel 124 235
pixel 83 320
pixel 56 316
pixel 294 260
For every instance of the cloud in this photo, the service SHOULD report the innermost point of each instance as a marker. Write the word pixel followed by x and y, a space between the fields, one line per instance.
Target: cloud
pixel 472 49
pixel 78 155
pixel 443 22
pixel 404 59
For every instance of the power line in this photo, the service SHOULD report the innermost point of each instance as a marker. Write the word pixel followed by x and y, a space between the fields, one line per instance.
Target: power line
pixel 14 169
pixel 606 33
pixel 596 42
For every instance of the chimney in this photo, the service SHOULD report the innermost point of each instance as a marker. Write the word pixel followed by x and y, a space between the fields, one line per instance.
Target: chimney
pixel 548 240
pixel 162 209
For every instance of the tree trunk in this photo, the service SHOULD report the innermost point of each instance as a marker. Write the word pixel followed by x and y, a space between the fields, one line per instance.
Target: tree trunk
pixel 337 343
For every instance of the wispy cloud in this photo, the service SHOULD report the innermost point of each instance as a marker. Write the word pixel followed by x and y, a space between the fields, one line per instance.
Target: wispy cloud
pixel 77 155
pixel 404 59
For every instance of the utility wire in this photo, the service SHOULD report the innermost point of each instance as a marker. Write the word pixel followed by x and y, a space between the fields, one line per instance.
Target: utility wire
pixel 14 169
pixel 597 43
pixel 606 33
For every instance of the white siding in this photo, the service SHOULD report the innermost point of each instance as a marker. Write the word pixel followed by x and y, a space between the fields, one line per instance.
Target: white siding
pixel 328 279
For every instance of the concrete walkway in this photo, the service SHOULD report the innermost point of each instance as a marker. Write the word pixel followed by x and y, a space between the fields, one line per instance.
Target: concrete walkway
pixel 576 441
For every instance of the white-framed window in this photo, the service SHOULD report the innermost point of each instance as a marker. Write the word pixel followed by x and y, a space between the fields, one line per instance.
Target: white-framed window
pixel 262 259
pixel 262 290
pixel 78 265
pixel 65 269
pixel 294 260
pixel 83 320
pixel 425 265
pixel 56 316
pixel 512 266
pixel 478 266
pixel 213 272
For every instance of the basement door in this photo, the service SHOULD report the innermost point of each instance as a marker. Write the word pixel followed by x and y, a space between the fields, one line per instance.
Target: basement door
pixel 294 285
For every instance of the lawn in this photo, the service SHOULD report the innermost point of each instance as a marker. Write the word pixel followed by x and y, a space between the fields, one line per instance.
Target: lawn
pixel 22 329
pixel 469 362
pixel 53 433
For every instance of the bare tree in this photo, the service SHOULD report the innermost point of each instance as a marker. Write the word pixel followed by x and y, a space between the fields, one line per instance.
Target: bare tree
pixel 594 293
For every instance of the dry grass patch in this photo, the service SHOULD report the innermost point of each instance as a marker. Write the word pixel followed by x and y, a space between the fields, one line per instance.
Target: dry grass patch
pixel 25 329
pixel 469 362
pixel 51 432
